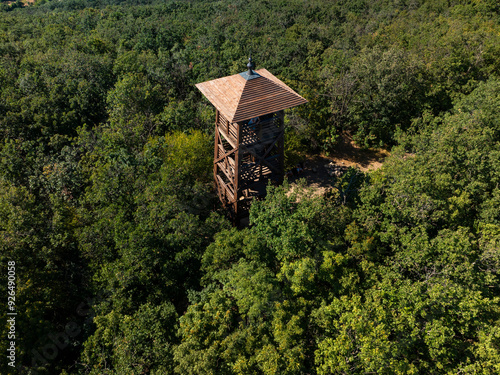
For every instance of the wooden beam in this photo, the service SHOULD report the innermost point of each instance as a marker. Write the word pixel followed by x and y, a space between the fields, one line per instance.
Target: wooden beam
pixel 229 177
pixel 264 162
pixel 227 137
pixel 262 158
pixel 281 146
pixel 237 169
pixel 216 149
pixel 227 190
pixel 225 155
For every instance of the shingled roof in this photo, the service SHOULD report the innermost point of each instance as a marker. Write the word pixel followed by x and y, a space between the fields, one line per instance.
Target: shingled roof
pixel 243 96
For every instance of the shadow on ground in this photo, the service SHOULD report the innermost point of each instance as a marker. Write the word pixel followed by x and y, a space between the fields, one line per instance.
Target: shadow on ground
pixel 318 169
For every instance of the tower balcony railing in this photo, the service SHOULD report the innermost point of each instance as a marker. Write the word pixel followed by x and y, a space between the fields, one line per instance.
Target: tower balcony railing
pixel 263 132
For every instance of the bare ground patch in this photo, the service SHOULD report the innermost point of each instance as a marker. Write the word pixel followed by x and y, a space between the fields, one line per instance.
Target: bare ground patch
pixel 318 169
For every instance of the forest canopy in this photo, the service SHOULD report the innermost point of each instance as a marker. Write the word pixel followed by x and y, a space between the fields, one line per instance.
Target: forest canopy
pixel 127 264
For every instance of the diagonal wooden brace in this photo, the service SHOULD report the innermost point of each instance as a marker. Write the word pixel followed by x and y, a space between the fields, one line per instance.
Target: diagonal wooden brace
pixel 261 159
pixel 225 155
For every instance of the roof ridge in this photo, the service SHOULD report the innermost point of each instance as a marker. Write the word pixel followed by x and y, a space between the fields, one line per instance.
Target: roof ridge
pixel 239 100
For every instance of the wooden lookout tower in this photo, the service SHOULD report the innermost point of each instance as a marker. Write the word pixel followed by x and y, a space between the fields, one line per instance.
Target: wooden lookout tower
pixel 249 134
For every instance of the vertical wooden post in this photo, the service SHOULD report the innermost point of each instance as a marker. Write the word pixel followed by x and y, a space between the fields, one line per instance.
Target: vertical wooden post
pixel 237 170
pixel 216 148
pixel 281 147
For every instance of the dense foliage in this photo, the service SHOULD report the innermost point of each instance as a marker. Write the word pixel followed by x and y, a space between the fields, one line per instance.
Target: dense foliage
pixel 125 261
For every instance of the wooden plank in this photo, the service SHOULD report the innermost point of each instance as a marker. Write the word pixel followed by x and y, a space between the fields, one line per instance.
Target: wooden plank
pixel 224 169
pixel 226 196
pixel 226 189
pixel 227 138
pixel 233 130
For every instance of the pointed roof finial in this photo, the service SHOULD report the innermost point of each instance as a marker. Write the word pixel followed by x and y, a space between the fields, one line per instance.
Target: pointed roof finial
pixel 250 65
pixel 250 73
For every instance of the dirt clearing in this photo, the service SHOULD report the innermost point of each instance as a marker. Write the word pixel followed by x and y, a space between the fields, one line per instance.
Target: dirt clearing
pixel 320 170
